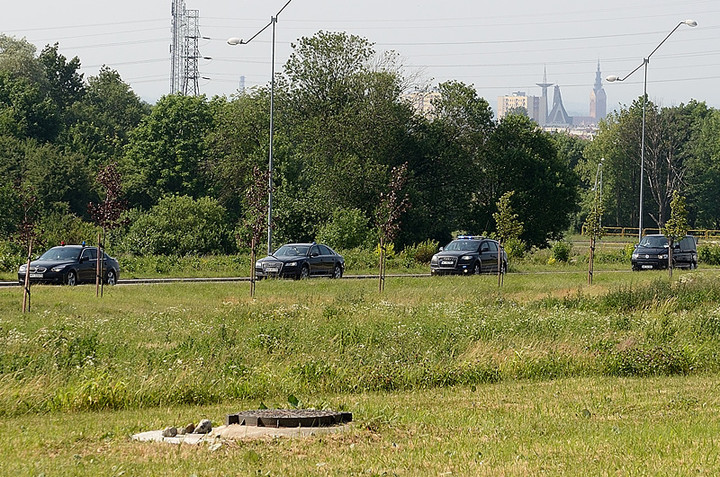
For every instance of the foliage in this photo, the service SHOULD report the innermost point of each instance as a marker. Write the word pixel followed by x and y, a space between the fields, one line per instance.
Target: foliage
pixel 423 251
pixel 709 254
pixel 509 227
pixel 348 228
pixel 561 251
pixel 676 226
pixel 179 225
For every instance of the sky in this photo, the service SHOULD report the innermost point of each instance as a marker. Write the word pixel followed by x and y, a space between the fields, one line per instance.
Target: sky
pixel 499 47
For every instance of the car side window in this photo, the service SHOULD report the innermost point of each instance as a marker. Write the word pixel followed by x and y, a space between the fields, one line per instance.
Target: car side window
pixel 314 251
pixel 493 246
pixel 89 254
pixel 324 250
pixel 484 247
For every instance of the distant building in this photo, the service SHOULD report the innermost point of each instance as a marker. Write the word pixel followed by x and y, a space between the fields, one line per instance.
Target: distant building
pixel 598 98
pixel 519 100
pixel 422 101
pixel 544 98
pixel 558 117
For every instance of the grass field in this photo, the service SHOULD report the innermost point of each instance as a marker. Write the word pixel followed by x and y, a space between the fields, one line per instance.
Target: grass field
pixel 444 376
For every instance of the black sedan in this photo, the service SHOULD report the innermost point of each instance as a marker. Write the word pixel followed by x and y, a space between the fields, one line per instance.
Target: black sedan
pixel 301 260
pixel 70 264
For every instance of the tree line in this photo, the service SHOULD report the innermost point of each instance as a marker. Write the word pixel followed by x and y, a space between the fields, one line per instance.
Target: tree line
pixel 342 123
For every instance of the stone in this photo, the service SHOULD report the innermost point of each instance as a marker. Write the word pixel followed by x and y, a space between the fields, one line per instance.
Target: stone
pixel 170 431
pixel 204 427
pixel 187 429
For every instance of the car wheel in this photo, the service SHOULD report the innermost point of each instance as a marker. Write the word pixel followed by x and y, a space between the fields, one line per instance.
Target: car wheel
pixel 71 278
pixel 337 272
pixel 111 278
pixel 477 270
pixel 304 272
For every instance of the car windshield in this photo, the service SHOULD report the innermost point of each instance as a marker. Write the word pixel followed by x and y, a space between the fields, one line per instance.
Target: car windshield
pixel 292 251
pixel 462 246
pixel 653 241
pixel 60 253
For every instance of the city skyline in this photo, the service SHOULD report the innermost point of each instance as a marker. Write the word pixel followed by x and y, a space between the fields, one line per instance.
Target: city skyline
pixel 496 48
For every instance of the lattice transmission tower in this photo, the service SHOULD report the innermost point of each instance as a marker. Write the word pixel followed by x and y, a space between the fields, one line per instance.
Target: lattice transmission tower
pixel 184 50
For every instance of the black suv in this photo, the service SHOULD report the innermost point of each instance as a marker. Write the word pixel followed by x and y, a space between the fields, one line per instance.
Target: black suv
pixel 468 254
pixel 652 253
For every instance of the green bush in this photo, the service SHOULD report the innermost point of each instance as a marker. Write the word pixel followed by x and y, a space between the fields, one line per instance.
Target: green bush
pixel 561 251
pixel 422 252
pixel 179 225
pixel 709 254
pixel 348 228
pixel 515 248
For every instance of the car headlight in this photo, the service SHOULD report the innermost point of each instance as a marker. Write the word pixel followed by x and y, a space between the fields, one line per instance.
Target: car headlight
pixel 258 264
pixel 57 269
pixel 433 259
pixel 663 256
pixel 635 256
pixel 22 268
pixel 466 257
pixel 291 264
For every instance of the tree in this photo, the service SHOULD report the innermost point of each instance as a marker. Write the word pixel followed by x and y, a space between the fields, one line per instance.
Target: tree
pixel 508 226
pixel 676 226
pixel 65 84
pixel 99 124
pixel 256 212
pixel 593 229
pixel 393 204
pixel 108 213
pixel 523 158
pixel 167 151
pixel 703 175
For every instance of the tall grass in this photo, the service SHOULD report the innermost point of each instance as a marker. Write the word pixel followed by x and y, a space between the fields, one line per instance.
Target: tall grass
pixel 176 344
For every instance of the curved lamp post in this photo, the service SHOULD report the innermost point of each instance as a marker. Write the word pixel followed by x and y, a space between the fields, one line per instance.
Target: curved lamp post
pixel 613 78
pixel 239 41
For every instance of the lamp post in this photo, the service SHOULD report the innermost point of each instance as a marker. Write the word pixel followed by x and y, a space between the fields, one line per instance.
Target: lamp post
pixel 238 41
pixel 644 65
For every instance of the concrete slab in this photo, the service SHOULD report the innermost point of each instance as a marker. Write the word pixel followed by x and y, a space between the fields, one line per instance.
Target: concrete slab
pixel 236 432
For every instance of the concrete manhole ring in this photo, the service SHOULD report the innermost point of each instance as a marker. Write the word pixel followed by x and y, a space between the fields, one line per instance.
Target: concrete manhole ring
pixel 288 418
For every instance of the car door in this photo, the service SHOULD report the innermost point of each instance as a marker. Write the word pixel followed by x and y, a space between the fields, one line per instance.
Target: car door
pixel 328 259
pixel 88 264
pixel 491 255
pixel 315 261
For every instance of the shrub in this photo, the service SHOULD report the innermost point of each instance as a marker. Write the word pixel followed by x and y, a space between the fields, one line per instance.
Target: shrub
pixel 348 228
pixel 515 248
pixel 180 225
pixel 561 251
pixel 422 252
pixel 709 254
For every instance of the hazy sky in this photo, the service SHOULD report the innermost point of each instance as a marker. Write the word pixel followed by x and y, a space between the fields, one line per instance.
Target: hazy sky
pixel 498 46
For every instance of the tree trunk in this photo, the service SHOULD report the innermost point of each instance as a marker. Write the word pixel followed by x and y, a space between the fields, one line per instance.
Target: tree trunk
pixel 670 257
pixel 381 284
pixel 97 269
pixel 591 261
pixel 252 268
pixel 26 289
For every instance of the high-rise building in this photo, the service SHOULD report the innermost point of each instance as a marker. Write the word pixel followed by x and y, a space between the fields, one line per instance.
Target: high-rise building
pixel 598 98
pixel 519 100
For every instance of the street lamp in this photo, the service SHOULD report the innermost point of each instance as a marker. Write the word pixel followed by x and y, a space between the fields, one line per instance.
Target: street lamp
pixel 238 41
pixel 613 78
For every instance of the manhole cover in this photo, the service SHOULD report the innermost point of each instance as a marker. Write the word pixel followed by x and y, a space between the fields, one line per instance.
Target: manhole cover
pixel 288 418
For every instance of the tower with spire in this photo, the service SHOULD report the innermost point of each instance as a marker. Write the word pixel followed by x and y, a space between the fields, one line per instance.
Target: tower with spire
pixel 544 98
pixel 598 98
